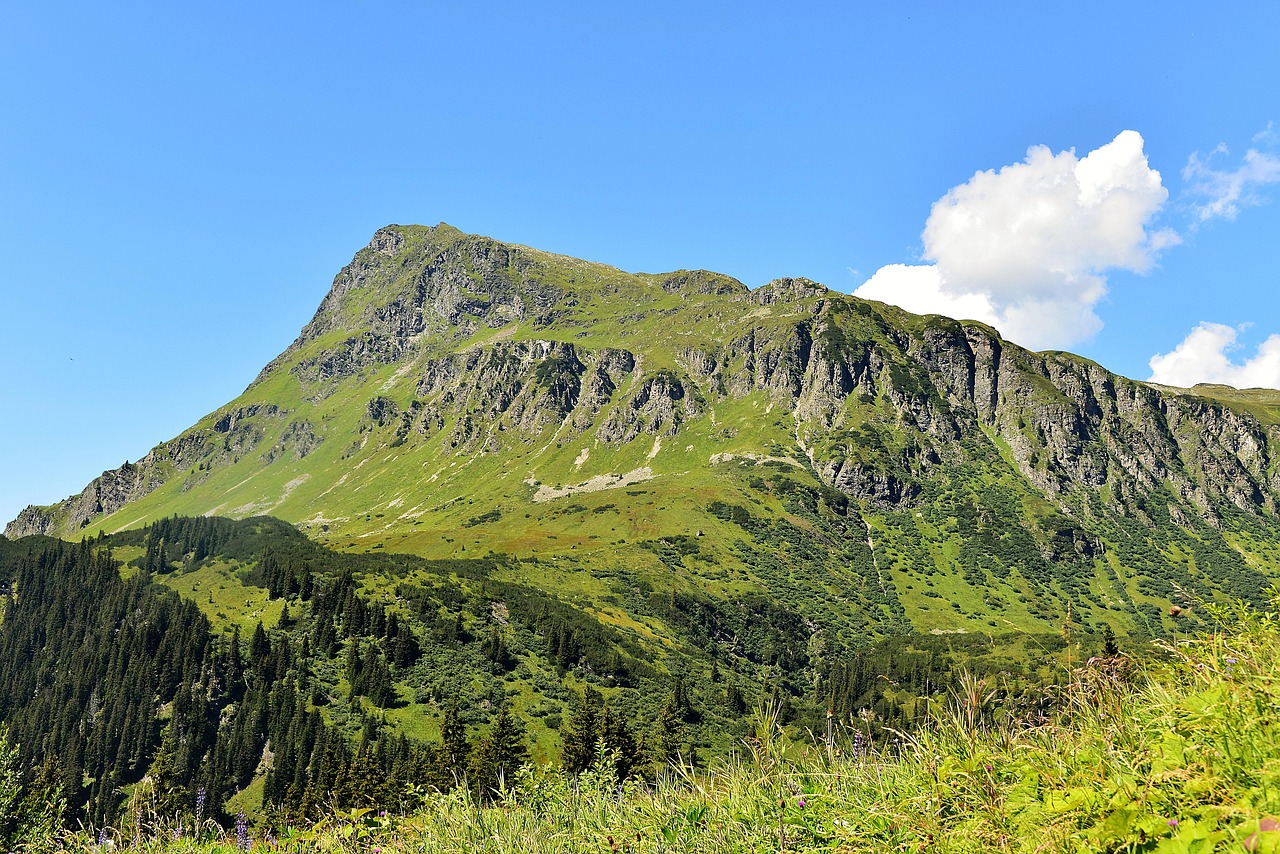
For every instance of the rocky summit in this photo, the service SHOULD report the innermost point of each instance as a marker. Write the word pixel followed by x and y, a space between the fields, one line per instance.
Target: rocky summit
pixel 495 504
pixel 604 434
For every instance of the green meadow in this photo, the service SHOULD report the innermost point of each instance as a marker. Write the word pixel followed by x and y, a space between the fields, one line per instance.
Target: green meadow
pixel 1179 752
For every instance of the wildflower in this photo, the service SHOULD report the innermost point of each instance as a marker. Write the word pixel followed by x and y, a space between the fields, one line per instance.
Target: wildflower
pixel 988 767
pixel 242 832
pixel 1230 661
pixel 800 803
pixel 201 797
pixel 1173 822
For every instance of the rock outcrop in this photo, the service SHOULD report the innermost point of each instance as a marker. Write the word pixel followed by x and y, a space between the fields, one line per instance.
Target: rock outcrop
pixel 502 348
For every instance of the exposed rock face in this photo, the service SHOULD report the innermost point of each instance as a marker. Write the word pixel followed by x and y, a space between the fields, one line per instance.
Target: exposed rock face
pixel 701 282
pixel 32 520
pixel 786 290
pixel 505 347
pixel 106 494
pixel 659 406
pixel 396 289
pixel 231 434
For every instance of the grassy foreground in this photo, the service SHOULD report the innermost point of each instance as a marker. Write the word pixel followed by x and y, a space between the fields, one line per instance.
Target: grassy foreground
pixel 1182 756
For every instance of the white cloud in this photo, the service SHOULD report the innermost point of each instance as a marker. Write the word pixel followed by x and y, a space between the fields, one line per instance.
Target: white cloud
pixel 1025 247
pixel 1203 357
pixel 1223 192
pixel 918 288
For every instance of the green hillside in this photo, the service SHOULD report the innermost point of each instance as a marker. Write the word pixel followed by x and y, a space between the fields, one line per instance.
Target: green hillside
pixel 487 478
pixel 284 679
pixel 1178 757
pixel 456 397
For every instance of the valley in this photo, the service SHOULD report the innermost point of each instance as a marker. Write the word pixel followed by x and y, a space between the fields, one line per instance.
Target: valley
pixel 486 479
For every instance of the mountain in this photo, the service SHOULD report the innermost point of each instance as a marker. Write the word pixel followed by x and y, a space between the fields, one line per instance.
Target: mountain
pixel 872 470
pixel 633 506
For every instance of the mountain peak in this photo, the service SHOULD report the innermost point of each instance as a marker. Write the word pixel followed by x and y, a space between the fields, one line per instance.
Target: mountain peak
pixel 454 393
pixel 694 282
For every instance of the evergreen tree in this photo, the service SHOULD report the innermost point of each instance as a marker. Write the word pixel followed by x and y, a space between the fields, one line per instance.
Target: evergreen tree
pixel 680 701
pixel 364 783
pixel 498 756
pixel 407 650
pixel 1109 646
pixel 494 648
pixel 667 741
pixel 734 701
pixel 171 796
pixel 354 668
pixel 619 738
pixel 259 646
pixel 580 734
pixel 455 750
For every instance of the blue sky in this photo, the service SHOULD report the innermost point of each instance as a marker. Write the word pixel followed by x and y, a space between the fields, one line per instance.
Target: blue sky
pixel 179 183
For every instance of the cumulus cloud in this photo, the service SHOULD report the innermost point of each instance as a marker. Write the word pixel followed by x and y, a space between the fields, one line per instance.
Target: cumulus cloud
pixel 1222 192
pixel 1204 356
pixel 919 288
pixel 1025 248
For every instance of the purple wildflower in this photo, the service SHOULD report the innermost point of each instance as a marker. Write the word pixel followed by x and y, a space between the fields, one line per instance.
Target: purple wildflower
pixel 1173 822
pixel 859 744
pixel 242 832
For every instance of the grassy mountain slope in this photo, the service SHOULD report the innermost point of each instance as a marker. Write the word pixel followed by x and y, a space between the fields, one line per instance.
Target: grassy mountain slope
pixel 1179 758
pixel 288 679
pixel 869 470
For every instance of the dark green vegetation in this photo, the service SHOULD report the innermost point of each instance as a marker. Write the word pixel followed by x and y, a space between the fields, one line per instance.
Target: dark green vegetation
pixel 1180 756
pixel 560 496
pixel 115 688
pixel 675 441
pixel 640 444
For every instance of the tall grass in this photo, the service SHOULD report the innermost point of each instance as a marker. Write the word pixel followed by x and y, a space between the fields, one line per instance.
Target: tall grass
pixel 1182 755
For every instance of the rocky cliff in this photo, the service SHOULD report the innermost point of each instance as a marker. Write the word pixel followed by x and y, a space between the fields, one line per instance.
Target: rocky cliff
pixel 447 378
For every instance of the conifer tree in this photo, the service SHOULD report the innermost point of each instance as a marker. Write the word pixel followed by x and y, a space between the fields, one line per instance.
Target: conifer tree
pixel 680 701
pixel 494 648
pixel 171 796
pixel 667 741
pixel 354 670
pixel 498 756
pixel 259 646
pixel 1109 646
pixel 619 738
pixel 580 734
pixel 455 750
pixel 364 782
